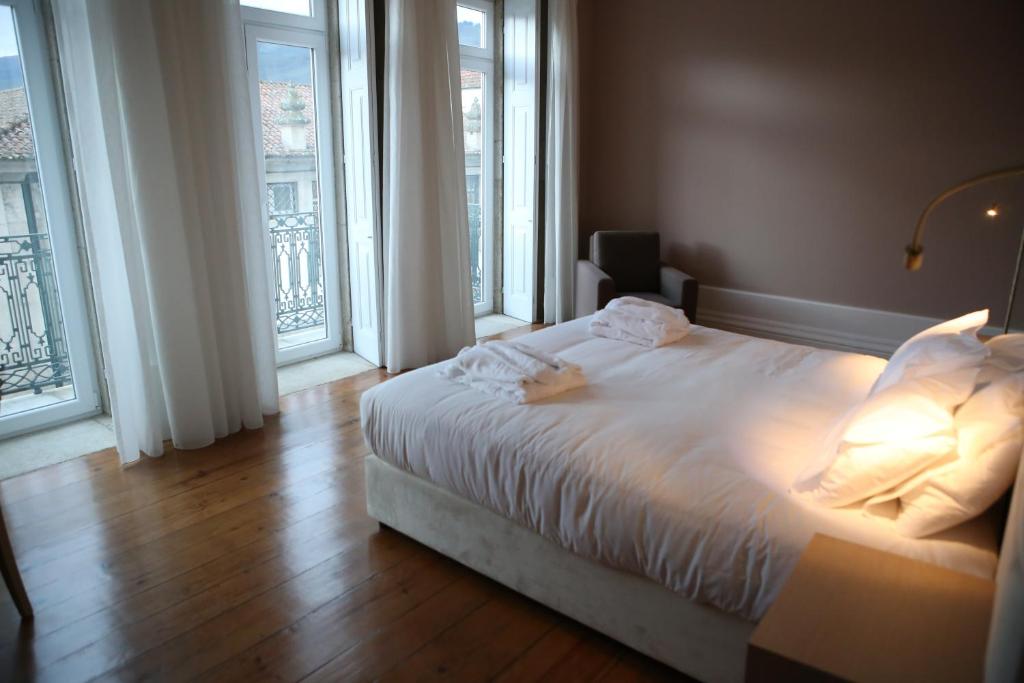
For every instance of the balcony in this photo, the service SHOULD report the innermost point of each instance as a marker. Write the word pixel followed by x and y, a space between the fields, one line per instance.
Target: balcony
pixel 34 367
pixel 299 304
pixel 476 251
pixel 34 363
pixel 35 370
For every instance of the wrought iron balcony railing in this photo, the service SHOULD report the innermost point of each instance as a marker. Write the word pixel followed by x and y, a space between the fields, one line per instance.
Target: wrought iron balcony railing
pixel 476 251
pixel 33 350
pixel 298 271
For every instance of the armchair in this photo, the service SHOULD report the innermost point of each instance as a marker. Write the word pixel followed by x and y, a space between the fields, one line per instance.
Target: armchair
pixel 628 263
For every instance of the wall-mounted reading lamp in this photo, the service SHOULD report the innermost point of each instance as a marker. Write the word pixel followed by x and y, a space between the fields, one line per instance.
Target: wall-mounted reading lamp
pixel 915 251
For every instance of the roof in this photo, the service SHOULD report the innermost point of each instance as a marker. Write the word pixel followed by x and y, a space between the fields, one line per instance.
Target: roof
pixel 272 95
pixel 15 132
pixel 470 79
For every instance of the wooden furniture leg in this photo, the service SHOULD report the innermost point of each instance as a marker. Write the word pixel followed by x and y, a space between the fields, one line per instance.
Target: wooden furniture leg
pixel 12 577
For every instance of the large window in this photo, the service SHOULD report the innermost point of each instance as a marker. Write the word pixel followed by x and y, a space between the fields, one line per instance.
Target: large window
pixel 288 72
pixel 475 21
pixel 47 371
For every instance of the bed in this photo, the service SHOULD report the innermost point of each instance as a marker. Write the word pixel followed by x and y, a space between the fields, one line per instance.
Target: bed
pixel 653 504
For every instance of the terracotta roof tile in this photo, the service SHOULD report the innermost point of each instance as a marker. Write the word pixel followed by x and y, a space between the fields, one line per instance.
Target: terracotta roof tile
pixel 470 79
pixel 272 93
pixel 15 133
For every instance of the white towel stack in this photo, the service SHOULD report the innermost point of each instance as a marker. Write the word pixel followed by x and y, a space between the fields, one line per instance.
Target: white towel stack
pixel 512 371
pixel 639 321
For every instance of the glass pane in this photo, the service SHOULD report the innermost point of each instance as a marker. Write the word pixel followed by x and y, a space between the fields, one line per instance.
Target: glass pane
pixel 471 27
pixel 288 117
pixel 473 135
pixel 301 7
pixel 35 370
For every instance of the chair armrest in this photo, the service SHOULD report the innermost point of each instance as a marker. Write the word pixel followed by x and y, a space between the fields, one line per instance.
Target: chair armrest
pixel 594 288
pixel 681 289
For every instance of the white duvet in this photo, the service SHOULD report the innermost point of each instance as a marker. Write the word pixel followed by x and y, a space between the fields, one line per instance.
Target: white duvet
pixel 673 463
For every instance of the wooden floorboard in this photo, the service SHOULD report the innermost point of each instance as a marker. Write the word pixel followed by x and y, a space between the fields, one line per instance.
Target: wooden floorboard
pixel 253 559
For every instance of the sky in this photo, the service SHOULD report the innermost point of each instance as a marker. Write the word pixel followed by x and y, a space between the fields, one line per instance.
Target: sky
pixel 284 63
pixel 8 44
pixel 469 25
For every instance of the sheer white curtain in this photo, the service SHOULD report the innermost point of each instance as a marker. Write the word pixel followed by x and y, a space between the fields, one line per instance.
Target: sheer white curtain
pixel 428 297
pixel 165 159
pixel 561 190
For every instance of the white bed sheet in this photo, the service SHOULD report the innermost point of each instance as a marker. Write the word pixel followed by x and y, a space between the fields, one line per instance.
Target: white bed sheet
pixel 673 463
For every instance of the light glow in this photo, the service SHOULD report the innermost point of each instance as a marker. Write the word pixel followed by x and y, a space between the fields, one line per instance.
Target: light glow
pixel 992 211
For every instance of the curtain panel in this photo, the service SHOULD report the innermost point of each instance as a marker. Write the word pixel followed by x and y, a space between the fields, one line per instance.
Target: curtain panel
pixel 428 297
pixel 561 189
pixel 165 157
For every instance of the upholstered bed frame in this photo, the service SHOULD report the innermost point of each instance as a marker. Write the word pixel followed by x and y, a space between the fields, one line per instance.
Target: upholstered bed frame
pixel 696 639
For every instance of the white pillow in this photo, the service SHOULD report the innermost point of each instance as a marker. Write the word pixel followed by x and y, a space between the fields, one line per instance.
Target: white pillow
pixel 948 354
pixel 1006 354
pixel 905 425
pixel 990 433
pixel 888 438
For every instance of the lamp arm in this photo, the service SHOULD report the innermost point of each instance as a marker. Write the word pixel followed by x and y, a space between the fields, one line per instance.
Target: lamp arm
pixel 915 249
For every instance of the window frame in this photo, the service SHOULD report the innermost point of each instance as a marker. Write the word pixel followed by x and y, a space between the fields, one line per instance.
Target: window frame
pixel 52 167
pixel 268 17
pixel 256 31
pixel 487 7
pixel 483 60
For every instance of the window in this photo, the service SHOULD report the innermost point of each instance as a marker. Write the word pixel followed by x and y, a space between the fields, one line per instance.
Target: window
pixel 472 26
pixel 299 7
pixel 288 76
pixel 47 370
pixel 282 198
pixel 477 62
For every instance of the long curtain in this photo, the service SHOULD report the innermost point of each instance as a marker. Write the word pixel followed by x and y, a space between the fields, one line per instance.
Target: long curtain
pixel 561 210
pixel 165 159
pixel 428 296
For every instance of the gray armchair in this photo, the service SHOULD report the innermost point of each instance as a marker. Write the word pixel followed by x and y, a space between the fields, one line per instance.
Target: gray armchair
pixel 628 263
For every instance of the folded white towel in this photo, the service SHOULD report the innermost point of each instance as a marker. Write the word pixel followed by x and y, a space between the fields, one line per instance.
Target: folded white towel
pixel 512 371
pixel 639 321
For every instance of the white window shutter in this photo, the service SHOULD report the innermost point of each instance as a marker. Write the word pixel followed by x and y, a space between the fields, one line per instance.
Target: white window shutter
pixel 362 211
pixel 520 173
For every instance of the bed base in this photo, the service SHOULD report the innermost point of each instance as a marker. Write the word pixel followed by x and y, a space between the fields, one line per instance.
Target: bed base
pixel 698 640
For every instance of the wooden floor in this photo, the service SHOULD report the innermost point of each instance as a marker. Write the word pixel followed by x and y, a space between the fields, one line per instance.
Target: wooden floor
pixel 254 559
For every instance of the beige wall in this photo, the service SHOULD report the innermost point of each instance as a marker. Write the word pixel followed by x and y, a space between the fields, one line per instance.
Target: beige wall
pixel 787 146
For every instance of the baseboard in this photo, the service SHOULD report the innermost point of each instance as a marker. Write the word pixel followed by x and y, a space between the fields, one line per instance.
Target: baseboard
pixel 816 323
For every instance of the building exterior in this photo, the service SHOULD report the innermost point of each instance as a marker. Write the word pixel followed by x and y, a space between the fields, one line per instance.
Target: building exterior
pixel 289 147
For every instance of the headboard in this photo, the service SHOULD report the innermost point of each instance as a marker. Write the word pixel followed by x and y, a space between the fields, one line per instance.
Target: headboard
pixel 1004 658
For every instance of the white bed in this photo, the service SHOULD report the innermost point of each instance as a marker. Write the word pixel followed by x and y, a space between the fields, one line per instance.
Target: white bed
pixel 672 465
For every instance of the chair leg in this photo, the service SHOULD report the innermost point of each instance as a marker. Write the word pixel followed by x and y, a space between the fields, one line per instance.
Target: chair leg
pixel 12 577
